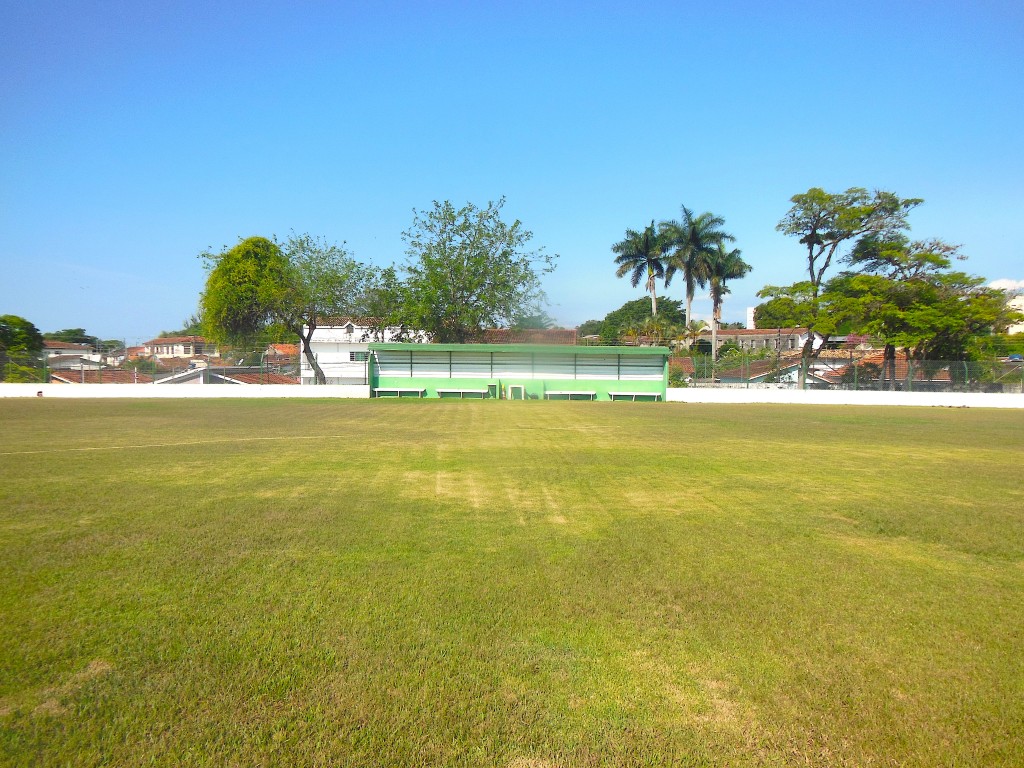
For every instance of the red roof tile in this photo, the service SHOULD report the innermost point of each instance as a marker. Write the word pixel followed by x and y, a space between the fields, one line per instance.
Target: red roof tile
pixel 112 376
pixel 261 378
pixel 565 336
pixel 51 344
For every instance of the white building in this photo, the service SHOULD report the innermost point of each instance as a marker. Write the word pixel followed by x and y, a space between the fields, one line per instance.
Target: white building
pixel 180 346
pixel 68 356
pixel 342 350
pixel 1017 303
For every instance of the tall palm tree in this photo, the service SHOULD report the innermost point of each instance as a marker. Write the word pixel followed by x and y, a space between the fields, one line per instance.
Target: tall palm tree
pixel 693 242
pixel 723 266
pixel 641 253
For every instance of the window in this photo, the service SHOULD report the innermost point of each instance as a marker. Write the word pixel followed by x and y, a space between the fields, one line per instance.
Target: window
pixel 358 357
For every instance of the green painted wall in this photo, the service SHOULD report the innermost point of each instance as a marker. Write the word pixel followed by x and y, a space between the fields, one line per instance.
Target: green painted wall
pixel 401 374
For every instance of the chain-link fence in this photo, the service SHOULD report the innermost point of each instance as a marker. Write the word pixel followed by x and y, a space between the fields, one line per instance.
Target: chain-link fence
pixel 864 372
pixel 34 369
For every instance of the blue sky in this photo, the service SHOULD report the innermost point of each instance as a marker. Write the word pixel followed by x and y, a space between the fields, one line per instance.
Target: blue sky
pixel 134 135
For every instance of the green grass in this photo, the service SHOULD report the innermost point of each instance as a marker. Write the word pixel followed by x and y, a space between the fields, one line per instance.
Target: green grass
pixel 509 584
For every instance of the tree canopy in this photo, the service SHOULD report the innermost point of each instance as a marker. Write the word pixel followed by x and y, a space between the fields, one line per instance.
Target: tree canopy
pixel 467 270
pixel 246 289
pixel 907 295
pixel 635 313
pixel 640 255
pixel 297 284
pixel 693 243
pixel 824 222
pixel 21 344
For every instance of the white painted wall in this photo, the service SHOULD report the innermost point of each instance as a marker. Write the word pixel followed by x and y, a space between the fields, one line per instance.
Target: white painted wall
pixel 687 395
pixel 843 397
pixel 140 391
pixel 333 345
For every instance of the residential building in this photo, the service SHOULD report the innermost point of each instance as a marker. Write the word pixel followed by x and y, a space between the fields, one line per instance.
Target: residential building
pixel 341 347
pixel 180 346
pixel 1017 303
pixel 777 339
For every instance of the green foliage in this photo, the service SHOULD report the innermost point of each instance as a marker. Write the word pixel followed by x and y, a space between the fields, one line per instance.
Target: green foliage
pixel 824 221
pixel 1000 345
pixel 72 336
pixel 907 296
pixel 261 288
pixel 788 306
pixel 534 322
pixel 327 282
pixel 249 286
pixel 693 243
pixel 19 336
pixel 18 373
pixel 633 314
pixel 142 366
pixel 640 257
pixel 21 345
pixel 466 270
pixel 590 327
pixel 192 326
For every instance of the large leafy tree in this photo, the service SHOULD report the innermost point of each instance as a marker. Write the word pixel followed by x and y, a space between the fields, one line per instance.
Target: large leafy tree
pixel 297 284
pixel 724 265
pixel 325 281
pixel 692 243
pixel 824 223
pixel 467 270
pixel 786 307
pixel 907 295
pixel 640 255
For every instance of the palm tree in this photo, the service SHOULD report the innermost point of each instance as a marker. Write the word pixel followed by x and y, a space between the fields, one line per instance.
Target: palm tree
pixel 631 332
pixel 693 330
pixel 694 241
pixel 654 329
pixel 639 254
pixel 723 266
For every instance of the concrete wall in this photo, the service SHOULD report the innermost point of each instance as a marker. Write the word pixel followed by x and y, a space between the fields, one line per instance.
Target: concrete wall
pixel 844 397
pixel 687 395
pixel 181 391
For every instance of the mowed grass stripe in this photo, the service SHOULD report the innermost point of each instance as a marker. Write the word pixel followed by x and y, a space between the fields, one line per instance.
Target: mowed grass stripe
pixel 515 584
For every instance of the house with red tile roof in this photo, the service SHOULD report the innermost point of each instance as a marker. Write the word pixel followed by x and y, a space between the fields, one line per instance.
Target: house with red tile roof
pixel 868 373
pixel 281 354
pixel 180 346
pixel 106 376
pixel 566 336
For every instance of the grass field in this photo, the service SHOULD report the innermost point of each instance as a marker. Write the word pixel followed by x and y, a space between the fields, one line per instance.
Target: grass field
pixel 524 585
